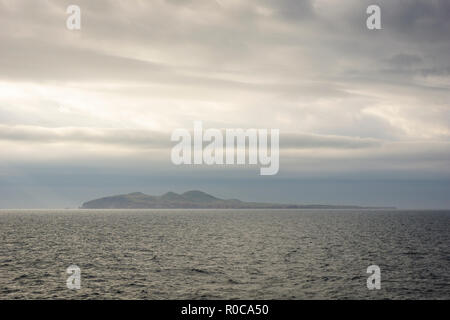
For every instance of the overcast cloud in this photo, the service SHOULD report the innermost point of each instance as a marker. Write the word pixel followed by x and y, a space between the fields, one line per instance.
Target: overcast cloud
pixel 349 102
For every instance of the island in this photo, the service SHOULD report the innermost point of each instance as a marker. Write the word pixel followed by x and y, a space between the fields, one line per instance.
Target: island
pixel 195 199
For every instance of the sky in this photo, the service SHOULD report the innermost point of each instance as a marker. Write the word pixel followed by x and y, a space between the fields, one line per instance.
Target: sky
pixel 364 115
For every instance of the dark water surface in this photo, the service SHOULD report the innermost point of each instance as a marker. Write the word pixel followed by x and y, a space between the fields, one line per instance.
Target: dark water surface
pixel 224 254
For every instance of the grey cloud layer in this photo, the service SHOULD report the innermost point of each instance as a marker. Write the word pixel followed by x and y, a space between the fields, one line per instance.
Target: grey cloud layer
pixel 234 36
pixel 311 67
pixel 151 139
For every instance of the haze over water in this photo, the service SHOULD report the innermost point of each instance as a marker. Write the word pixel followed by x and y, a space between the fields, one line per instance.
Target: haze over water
pixel 224 254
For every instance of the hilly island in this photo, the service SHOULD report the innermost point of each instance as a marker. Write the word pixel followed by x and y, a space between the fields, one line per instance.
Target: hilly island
pixel 196 200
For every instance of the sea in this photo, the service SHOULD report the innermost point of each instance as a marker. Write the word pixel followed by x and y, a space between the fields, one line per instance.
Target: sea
pixel 224 254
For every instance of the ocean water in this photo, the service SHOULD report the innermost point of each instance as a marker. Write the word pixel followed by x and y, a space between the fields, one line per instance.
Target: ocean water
pixel 224 254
